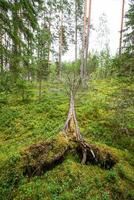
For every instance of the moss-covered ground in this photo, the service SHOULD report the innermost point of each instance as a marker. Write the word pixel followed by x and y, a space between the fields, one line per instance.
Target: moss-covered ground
pixel 105 114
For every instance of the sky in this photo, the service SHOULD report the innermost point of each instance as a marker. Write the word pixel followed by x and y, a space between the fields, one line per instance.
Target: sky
pixel 112 9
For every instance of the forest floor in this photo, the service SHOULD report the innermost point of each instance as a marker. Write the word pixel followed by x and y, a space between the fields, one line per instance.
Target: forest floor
pixel 105 115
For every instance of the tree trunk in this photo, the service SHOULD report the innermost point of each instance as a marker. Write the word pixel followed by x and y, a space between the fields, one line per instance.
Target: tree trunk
pixel 6 47
pixel 83 44
pixel 76 30
pixel 71 126
pixel 82 75
pixel 72 131
pixel 88 32
pixel 49 47
pixel 121 29
pixel 40 88
pixel 1 55
pixel 60 45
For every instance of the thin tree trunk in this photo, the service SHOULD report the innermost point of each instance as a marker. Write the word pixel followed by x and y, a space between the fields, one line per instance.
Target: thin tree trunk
pixel 71 125
pixel 1 55
pixel 76 30
pixel 6 47
pixel 16 47
pixel 88 32
pixel 40 88
pixel 2 52
pixel 82 75
pixel 121 29
pixel 1 63
pixel 59 59
pixel 60 45
pixel 49 47
pixel 71 130
pixel 49 28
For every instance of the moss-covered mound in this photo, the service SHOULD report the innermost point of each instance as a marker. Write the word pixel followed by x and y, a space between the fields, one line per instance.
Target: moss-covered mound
pixel 43 156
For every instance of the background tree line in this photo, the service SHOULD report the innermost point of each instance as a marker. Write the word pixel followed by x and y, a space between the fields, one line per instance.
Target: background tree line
pixel 32 32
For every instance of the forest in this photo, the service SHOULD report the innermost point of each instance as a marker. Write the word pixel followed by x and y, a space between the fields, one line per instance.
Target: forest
pixel 66 100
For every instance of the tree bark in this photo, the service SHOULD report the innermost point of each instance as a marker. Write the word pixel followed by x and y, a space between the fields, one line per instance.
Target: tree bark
pixel 1 55
pixel 88 32
pixel 60 45
pixel 71 126
pixel 72 131
pixel 82 75
pixel 121 28
pixel 40 88
pixel 49 47
pixel 76 30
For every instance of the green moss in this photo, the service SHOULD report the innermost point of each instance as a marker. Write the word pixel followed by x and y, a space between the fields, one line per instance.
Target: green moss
pixel 105 117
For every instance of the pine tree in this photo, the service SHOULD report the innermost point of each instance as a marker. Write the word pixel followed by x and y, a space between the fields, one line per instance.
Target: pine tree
pixel 43 43
pixel 127 59
pixel 85 40
pixel 121 29
pixel 78 21
pixel 129 36
pixel 19 20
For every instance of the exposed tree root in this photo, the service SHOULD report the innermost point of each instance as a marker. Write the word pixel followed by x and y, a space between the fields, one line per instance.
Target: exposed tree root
pixel 89 153
pixel 44 156
pixel 96 155
pixel 39 158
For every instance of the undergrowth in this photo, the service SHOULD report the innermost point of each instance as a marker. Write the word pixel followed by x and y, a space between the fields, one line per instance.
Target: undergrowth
pixel 105 116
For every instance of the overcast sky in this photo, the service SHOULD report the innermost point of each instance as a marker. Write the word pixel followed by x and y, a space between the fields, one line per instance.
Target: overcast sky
pixel 112 9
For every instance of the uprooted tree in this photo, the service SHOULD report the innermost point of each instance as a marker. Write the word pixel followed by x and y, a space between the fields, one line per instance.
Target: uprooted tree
pixel 43 156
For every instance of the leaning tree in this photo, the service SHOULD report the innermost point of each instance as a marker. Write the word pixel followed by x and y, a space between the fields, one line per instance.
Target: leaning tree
pixel 43 156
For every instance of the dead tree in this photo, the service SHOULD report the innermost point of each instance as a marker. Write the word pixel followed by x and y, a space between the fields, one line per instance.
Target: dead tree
pixel 71 128
pixel 89 153
pixel 43 156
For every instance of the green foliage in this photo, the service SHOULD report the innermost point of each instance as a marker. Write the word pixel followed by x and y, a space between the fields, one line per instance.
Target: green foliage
pixel 126 172
pixel 5 82
pixel 70 68
pixel 102 65
pixel 93 63
pixel 130 195
pixel 122 65
pixel 23 89
pixel 9 181
pixel 129 40
pixel 112 177
pixel 15 26
pixel 18 87
pixel 63 32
